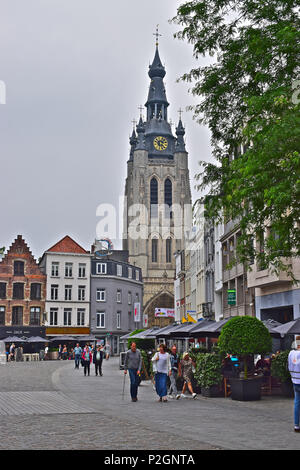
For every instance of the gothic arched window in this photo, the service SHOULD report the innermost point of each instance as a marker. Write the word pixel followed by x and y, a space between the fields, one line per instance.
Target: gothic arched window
pixel 169 250
pixel 153 197
pixel 168 197
pixel 154 250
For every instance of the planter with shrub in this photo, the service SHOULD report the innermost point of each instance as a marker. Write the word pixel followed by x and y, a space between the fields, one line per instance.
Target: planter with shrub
pixel 243 337
pixel 208 374
pixel 279 369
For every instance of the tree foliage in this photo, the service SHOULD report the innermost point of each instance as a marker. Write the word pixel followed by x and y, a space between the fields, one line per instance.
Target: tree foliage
pixel 243 336
pixel 249 97
pixel 279 366
pixel 208 369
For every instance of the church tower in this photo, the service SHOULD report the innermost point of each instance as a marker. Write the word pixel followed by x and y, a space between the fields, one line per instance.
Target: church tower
pixel 157 196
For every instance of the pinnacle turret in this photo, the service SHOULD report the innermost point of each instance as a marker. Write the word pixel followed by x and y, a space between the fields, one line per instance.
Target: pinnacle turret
pixel 180 132
pixel 141 135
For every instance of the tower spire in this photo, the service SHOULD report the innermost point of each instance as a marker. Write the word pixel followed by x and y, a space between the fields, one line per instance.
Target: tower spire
pixel 157 34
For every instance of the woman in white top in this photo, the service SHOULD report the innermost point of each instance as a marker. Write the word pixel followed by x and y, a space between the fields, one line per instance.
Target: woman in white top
pixel 162 363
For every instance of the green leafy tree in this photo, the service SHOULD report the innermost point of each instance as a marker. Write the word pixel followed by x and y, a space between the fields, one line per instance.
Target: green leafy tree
pixel 249 98
pixel 245 336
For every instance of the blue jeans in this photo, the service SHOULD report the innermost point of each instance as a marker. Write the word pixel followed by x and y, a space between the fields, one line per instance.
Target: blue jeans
pixel 134 382
pixel 161 384
pixel 173 386
pixel 77 361
pixel 296 404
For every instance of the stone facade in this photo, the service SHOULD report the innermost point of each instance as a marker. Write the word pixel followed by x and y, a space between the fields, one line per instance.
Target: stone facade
pixel 156 192
pixel 235 278
pixel 276 296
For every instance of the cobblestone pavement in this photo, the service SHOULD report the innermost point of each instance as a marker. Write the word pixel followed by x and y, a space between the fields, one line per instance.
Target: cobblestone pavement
pixel 50 405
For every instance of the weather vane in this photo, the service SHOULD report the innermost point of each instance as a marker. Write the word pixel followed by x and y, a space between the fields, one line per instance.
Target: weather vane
pixel 157 35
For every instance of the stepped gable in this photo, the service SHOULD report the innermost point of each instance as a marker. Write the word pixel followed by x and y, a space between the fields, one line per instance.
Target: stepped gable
pixel 67 245
pixel 19 250
pixel 20 247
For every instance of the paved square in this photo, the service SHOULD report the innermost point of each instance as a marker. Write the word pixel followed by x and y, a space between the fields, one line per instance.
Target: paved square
pixel 51 405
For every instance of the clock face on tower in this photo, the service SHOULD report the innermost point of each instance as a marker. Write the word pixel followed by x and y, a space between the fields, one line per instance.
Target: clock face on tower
pixel 160 143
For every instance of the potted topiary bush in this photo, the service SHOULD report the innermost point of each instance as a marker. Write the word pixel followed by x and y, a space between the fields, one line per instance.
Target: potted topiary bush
pixel 208 373
pixel 244 337
pixel 279 369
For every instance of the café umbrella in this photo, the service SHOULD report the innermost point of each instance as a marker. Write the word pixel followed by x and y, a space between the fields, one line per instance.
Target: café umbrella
pixel 14 339
pixel 209 329
pixel 188 328
pixel 290 328
pixel 37 339
pixel 63 338
pixel 146 334
pixel 271 325
pixel 85 338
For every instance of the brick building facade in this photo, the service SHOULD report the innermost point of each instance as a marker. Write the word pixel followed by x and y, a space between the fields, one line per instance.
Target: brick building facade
pixel 22 291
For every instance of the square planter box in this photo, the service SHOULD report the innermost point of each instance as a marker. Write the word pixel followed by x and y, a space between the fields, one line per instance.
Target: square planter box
pixel 53 355
pixel 246 389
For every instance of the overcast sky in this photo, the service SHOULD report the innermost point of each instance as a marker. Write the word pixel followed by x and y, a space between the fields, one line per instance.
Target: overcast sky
pixel 75 73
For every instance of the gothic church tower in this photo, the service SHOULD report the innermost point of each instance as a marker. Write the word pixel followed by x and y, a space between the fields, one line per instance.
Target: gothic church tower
pixel 157 190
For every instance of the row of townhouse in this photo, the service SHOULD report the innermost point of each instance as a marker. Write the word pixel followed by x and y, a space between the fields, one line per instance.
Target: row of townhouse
pixel 206 287
pixel 69 292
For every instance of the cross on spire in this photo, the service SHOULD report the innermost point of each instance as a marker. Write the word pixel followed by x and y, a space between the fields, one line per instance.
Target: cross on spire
pixel 134 123
pixel 180 113
pixel 141 108
pixel 156 34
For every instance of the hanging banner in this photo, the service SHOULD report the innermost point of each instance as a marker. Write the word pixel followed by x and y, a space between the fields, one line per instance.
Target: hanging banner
pixel 137 312
pixel 165 312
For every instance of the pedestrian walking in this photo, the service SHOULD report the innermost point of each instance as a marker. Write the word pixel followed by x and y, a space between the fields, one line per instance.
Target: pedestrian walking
pixel 77 355
pixel 133 364
pixel 163 368
pixel 107 351
pixel 186 371
pixel 64 353
pixel 71 354
pixel 60 349
pixel 174 358
pixel 12 352
pixel 97 360
pixel 294 368
pixel 86 359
